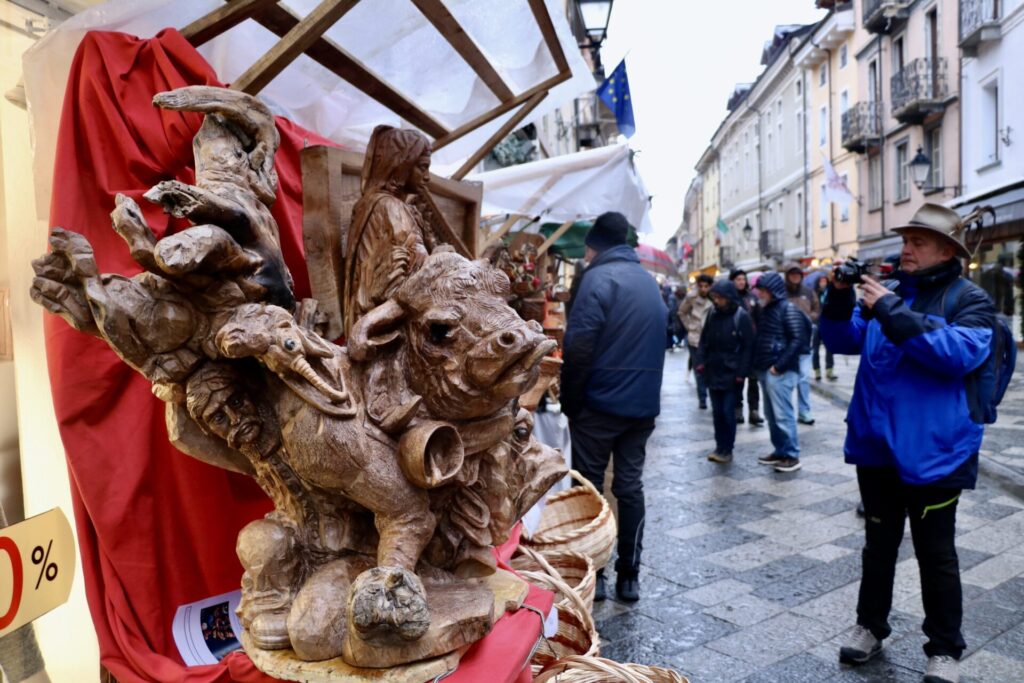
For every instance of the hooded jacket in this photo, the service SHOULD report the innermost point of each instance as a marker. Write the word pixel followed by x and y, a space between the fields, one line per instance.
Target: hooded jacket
pixel 783 331
pixel 909 406
pixel 802 294
pixel 614 347
pixel 693 311
pixel 726 346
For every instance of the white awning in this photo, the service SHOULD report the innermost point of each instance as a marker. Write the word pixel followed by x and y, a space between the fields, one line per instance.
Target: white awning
pixel 577 186
pixel 391 38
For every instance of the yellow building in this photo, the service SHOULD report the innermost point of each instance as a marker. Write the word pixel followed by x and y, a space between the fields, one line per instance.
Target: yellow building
pixel 707 167
pixel 829 62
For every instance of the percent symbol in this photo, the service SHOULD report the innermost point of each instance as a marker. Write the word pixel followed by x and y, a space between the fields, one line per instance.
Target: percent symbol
pixel 38 557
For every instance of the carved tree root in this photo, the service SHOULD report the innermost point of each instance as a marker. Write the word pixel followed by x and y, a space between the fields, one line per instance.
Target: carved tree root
pixel 386 601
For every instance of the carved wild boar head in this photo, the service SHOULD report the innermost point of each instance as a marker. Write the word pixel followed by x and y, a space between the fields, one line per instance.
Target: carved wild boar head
pixel 464 350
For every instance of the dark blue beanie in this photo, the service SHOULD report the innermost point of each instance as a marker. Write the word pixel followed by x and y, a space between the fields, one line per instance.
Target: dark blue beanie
pixel 610 230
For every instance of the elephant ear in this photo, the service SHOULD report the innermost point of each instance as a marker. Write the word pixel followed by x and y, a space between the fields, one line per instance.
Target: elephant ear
pixel 376 329
pixel 315 345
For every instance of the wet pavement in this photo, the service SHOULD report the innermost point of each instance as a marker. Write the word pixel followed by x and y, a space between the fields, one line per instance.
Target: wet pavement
pixel 752 575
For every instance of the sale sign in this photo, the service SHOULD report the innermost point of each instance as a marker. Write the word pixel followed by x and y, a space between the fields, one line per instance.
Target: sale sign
pixel 37 564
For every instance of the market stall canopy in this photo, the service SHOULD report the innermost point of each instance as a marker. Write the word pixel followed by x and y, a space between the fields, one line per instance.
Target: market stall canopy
pixel 443 67
pixel 569 245
pixel 656 261
pixel 572 187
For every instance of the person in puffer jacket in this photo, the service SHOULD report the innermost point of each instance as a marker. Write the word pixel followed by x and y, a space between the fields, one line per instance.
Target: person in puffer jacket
pixel 910 432
pixel 783 335
pixel 723 358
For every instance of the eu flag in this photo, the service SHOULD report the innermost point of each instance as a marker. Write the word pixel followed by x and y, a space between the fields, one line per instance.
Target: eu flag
pixel 615 93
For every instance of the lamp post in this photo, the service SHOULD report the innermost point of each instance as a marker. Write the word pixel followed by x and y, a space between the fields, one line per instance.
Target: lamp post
pixel 748 231
pixel 921 172
pixel 595 15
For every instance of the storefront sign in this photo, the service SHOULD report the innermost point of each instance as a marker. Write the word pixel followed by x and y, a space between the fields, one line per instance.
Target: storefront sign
pixel 37 564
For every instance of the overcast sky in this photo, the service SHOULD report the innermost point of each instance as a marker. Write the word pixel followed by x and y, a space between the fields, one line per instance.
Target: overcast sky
pixel 683 59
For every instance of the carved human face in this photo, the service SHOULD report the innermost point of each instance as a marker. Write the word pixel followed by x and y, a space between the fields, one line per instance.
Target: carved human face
pixel 923 249
pixel 419 174
pixel 232 416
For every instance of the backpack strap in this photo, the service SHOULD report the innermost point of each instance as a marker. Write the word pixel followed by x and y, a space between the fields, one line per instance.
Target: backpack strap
pixel 959 285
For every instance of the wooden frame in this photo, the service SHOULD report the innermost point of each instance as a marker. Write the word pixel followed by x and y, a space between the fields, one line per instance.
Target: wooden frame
pixel 331 187
pixel 306 36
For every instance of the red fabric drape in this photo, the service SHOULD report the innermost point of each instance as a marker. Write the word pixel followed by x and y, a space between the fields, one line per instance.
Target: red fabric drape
pixel 157 528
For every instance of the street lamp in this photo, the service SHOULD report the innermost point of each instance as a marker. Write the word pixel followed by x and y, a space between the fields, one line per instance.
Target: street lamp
pixel 748 231
pixel 921 172
pixel 595 15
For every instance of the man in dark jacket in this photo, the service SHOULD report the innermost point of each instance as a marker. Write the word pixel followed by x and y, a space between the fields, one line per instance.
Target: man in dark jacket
pixel 614 352
pixel 913 426
pixel 748 300
pixel 723 358
pixel 807 301
pixel 782 336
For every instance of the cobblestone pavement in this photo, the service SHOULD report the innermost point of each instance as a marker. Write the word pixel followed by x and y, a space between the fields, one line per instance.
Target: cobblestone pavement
pixel 752 575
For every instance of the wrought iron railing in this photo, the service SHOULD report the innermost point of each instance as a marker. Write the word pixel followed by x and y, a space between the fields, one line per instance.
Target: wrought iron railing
pixel 875 11
pixel 769 243
pixel 862 123
pixel 726 256
pixel 975 15
pixel 921 81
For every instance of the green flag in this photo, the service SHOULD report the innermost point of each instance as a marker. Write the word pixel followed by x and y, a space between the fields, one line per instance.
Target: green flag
pixel 722 227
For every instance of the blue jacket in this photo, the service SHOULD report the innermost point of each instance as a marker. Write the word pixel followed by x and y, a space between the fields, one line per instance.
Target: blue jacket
pixel 614 347
pixel 783 330
pixel 909 406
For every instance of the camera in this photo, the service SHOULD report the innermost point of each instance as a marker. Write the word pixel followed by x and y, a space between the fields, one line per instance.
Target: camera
pixel 851 272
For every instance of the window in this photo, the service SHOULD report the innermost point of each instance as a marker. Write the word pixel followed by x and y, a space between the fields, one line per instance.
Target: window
pixel 781 215
pixel 799 137
pixel 799 213
pixel 769 221
pixel 901 188
pixel 823 217
pixel 844 102
pixel 799 89
pixel 844 212
pixel 989 128
pixel 875 182
pixel 769 161
pixel 822 74
pixel 823 126
pixel 873 80
pixel 843 57
pixel 897 55
pixel 933 146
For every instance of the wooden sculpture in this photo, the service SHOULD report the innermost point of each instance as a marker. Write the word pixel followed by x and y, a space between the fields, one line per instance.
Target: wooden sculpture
pixel 394 463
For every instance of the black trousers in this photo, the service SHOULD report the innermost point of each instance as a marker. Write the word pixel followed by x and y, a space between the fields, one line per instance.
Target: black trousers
pixel 932 511
pixel 596 437
pixel 816 352
pixel 723 409
pixel 753 396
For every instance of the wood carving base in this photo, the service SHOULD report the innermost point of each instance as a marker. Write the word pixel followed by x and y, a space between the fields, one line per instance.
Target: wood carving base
pixel 508 592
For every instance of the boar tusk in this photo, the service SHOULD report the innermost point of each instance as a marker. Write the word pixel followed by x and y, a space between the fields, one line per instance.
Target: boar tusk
pixel 302 367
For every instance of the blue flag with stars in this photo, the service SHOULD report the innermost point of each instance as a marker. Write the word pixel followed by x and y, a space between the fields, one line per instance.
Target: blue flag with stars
pixel 615 93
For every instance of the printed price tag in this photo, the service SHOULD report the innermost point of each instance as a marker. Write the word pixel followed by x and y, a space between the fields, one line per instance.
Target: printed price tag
pixel 37 564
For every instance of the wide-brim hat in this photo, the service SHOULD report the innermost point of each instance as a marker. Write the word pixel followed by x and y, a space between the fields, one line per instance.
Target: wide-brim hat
pixel 941 221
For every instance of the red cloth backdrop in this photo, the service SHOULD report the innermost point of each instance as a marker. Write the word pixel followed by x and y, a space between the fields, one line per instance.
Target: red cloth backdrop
pixel 157 528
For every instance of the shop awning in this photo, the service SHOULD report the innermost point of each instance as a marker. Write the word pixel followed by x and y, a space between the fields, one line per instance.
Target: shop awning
pixel 572 187
pixel 569 244
pixel 402 69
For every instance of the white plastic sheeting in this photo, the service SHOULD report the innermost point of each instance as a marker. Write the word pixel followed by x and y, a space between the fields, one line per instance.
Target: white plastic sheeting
pixel 391 37
pixel 577 186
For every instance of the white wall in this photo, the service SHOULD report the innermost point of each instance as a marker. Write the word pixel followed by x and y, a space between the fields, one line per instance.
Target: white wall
pixel 66 635
pixel 1002 60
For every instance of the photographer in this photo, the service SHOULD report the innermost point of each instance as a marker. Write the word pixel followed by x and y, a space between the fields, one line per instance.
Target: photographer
pixel 910 433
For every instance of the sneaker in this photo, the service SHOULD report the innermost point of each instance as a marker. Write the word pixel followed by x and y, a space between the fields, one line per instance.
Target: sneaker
pixel 861 647
pixel 600 588
pixel 817 375
pixel 772 459
pixel 942 669
pixel 627 588
pixel 720 457
pixel 755 419
pixel 832 377
pixel 739 416
pixel 703 405
pixel 788 465
pixel 806 420
pixel 860 509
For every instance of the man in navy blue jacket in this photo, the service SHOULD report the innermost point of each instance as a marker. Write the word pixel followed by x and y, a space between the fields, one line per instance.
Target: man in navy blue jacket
pixel 911 432
pixel 614 352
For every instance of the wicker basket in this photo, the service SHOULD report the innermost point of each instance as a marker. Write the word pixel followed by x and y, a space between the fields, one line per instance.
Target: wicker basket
pixel 576 633
pixel 575 669
pixel 576 569
pixel 579 519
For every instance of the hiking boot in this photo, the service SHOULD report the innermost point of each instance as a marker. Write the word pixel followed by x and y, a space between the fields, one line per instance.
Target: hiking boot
pixel 806 420
pixel 703 405
pixel 772 459
pixel 817 375
pixel 739 416
pixel 788 465
pixel 860 509
pixel 861 647
pixel 832 376
pixel 755 419
pixel 942 669
pixel 627 588
pixel 600 588
pixel 720 457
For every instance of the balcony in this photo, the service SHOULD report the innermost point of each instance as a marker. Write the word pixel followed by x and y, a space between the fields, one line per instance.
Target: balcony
pixel 862 126
pixel 979 22
pixel 879 15
pixel 769 243
pixel 726 257
pixel 919 89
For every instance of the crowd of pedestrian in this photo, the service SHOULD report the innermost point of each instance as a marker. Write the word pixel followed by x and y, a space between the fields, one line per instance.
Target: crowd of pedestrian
pixel 930 375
